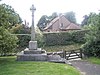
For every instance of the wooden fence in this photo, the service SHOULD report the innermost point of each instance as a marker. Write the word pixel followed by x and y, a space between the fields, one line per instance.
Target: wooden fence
pixel 72 54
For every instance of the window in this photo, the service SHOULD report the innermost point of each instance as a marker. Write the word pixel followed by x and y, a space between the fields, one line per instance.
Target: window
pixel 61 25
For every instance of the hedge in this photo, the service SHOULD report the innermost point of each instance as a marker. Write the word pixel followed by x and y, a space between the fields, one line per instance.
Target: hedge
pixel 64 38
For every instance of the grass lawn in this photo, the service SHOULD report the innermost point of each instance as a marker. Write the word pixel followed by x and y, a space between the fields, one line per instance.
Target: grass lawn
pixel 59 48
pixel 94 60
pixel 9 66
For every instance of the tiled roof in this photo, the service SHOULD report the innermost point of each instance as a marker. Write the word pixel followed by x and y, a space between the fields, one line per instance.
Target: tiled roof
pixel 73 26
pixel 52 22
pixel 69 25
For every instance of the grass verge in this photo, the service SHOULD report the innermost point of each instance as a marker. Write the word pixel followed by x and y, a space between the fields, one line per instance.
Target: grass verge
pixel 60 48
pixel 94 60
pixel 9 66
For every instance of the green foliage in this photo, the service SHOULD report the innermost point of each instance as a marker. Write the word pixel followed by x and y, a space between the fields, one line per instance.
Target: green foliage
pixel 78 36
pixel 8 17
pixel 39 38
pixel 85 20
pixel 64 38
pixel 71 16
pixel 53 16
pixel 9 66
pixel 94 60
pixel 57 38
pixel 42 22
pixel 45 19
pixel 7 42
pixel 23 39
pixel 92 45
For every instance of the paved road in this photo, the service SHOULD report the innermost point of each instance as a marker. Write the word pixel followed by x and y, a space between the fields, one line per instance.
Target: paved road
pixel 86 68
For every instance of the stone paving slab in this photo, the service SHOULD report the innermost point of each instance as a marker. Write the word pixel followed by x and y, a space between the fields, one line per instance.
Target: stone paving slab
pixel 86 68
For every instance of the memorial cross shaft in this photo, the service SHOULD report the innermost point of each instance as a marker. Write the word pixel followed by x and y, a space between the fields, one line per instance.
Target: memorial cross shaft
pixel 32 27
pixel 33 43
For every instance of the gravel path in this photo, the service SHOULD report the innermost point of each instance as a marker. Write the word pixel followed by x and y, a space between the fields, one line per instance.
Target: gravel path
pixel 86 68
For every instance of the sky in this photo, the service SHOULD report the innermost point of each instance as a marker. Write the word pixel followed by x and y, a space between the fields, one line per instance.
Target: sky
pixel 47 7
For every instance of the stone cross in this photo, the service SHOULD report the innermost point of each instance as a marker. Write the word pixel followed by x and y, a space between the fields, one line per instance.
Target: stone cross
pixel 33 43
pixel 32 27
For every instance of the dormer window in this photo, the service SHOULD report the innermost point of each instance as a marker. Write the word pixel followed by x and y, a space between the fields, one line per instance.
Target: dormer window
pixel 61 25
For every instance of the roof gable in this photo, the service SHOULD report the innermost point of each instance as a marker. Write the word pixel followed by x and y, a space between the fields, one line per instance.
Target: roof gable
pixel 73 27
pixel 67 24
pixel 51 23
pixel 55 20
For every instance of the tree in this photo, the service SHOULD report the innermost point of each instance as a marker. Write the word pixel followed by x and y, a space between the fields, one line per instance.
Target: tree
pixel 8 16
pixel 23 39
pixel 85 20
pixel 44 20
pixel 92 45
pixel 53 16
pixel 92 19
pixel 71 16
pixel 7 42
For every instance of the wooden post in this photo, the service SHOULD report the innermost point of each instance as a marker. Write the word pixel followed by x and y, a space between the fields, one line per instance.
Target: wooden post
pixel 64 54
pixel 81 53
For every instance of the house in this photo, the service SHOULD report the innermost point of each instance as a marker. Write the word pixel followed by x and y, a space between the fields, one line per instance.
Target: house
pixel 61 24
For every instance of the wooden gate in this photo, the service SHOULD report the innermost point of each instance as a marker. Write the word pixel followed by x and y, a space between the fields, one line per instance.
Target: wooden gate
pixel 72 54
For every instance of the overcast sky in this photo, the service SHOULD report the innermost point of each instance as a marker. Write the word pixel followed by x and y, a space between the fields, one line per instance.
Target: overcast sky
pixel 47 7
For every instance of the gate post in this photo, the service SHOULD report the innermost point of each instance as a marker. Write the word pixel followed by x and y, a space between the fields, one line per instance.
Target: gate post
pixel 81 53
pixel 64 54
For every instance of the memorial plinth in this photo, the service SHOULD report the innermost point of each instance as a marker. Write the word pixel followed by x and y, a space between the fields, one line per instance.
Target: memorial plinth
pixel 31 57
pixel 32 45
pixel 32 53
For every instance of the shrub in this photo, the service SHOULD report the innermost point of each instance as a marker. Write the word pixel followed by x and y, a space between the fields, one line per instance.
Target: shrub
pixel 57 38
pixel 23 41
pixel 7 42
pixel 39 38
pixel 92 45
pixel 91 48
pixel 64 38
pixel 78 36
